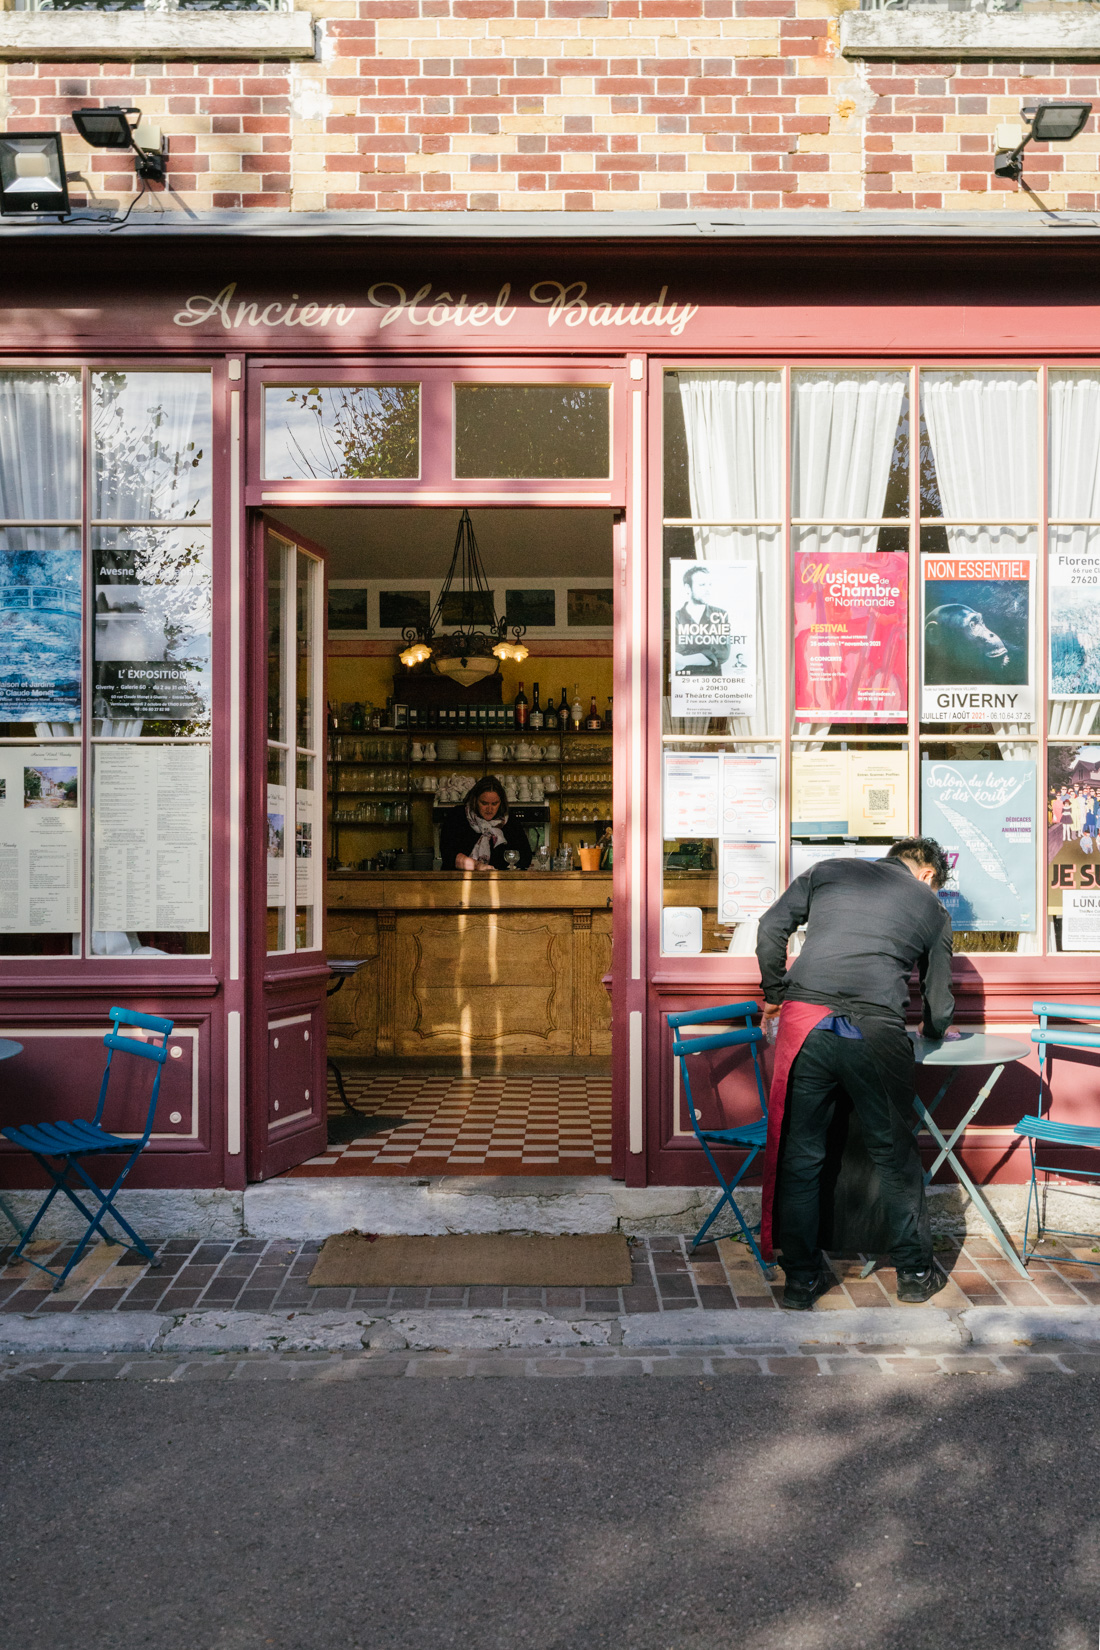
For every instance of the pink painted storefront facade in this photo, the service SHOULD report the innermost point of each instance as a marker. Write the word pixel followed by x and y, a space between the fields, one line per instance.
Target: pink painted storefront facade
pixel 769 334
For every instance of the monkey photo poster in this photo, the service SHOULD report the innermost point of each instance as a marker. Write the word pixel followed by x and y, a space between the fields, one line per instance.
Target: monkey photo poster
pixel 713 665
pixel 978 643
pixel 851 637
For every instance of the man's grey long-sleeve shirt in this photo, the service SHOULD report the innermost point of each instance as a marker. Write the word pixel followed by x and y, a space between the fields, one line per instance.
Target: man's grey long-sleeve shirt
pixel 869 923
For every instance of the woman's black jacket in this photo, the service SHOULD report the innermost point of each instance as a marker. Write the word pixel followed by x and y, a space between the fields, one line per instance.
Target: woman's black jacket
pixel 457 836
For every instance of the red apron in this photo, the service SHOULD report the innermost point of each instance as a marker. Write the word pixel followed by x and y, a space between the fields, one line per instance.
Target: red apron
pixel 796 1021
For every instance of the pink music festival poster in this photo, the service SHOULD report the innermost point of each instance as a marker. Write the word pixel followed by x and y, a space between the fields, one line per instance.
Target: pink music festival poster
pixel 851 637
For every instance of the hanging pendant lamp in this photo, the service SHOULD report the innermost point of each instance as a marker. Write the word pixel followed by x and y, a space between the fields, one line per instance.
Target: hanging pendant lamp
pixel 478 644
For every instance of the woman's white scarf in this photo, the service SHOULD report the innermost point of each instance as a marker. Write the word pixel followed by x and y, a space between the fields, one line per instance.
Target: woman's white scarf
pixel 489 834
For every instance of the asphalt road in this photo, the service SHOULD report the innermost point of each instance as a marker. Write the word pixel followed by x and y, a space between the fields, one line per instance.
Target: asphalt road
pixel 511 1514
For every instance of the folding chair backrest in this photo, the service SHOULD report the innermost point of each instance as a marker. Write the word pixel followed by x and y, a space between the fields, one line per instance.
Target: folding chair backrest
pixel 157 1052
pixel 1047 1036
pixel 747 1035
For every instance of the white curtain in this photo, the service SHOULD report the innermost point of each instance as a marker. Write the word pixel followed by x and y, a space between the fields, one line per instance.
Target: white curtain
pixel 982 427
pixel 1074 434
pixel 843 428
pixel 734 427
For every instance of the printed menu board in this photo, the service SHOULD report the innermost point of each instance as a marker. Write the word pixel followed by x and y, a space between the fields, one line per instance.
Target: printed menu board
pixel 983 815
pixel 304 879
pixel 39 839
pixel 151 846
pixel 851 637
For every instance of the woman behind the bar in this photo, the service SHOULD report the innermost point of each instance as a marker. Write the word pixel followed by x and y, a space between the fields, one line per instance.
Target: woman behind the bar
pixel 477 834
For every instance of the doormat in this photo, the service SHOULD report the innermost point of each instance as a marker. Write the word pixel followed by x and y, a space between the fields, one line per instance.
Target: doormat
pixel 354 1260
pixel 345 1126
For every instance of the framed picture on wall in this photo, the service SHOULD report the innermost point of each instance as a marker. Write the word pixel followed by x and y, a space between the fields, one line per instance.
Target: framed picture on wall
pixel 590 607
pixel 534 608
pixel 349 609
pixel 544 608
pixel 407 607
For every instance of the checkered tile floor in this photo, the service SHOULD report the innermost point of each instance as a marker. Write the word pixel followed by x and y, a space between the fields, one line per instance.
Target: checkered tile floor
pixel 547 1123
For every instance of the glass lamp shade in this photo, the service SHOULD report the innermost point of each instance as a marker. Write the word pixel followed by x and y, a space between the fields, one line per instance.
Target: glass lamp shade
pixel 416 654
pixel 464 672
pixel 1057 122
pixel 511 650
pixel 106 128
pixel 32 174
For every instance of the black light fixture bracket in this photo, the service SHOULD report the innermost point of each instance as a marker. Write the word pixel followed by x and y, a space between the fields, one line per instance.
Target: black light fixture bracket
pixel 112 127
pixel 1047 123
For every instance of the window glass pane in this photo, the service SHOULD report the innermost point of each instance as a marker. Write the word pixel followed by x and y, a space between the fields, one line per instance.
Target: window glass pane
pixel 307 864
pixel 279 771
pixel 276 638
pixel 152 631
pixel 979 452
pixel 732 426
pixel 1073 846
pixel 1074 445
pixel 550 431
pixel 40 813
pixel 980 803
pixel 151 446
pixel 849 447
pixel 151 850
pixel 353 432
pixel 40 446
pixel 720 845
pixel 40 631
pixel 308 577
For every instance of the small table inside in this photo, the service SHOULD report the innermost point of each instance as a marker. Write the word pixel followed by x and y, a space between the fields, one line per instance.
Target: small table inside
pixel 969 1048
pixel 7 1048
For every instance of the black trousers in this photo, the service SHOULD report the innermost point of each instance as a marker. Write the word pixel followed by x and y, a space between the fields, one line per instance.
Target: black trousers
pixel 825 1066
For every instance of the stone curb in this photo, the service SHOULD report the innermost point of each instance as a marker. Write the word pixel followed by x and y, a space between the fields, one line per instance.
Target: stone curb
pixel 492 1330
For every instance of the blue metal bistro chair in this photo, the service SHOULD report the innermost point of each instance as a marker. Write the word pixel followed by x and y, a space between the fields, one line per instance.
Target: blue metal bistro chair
pixel 750 1136
pixel 68 1141
pixel 1040 1131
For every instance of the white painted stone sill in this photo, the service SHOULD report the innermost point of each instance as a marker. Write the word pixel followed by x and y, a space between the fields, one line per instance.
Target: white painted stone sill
pixel 1000 36
pixel 88 36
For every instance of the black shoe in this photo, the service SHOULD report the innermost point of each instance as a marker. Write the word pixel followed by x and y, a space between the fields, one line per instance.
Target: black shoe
pixel 799 1294
pixel 915 1287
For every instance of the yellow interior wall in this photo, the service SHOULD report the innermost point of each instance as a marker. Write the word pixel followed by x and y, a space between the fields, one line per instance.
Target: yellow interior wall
pixel 370 678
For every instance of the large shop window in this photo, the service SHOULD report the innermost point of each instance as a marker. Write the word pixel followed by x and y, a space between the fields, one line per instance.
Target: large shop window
pixel 855 646
pixel 105 622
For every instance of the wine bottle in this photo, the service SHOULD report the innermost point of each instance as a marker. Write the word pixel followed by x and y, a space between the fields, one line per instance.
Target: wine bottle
pixel 536 712
pixel 595 721
pixel 576 709
pixel 550 720
pixel 520 708
pixel 609 719
pixel 563 711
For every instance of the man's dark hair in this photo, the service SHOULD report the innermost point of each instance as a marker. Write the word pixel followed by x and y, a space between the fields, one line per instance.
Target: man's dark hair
pixel 693 573
pixel 923 851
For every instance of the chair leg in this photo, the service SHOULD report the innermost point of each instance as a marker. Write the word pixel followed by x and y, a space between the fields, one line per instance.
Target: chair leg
pixel 107 1207
pixel 728 1197
pixel 339 1076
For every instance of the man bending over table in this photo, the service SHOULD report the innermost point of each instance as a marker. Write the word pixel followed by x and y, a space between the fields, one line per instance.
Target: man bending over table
pixel 841 1007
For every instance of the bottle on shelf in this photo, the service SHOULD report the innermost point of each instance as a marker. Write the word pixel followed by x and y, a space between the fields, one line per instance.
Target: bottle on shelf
pixel 576 710
pixel 609 720
pixel 536 711
pixel 520 708
pixel 563 711
pixel 595 720
pixel 550 719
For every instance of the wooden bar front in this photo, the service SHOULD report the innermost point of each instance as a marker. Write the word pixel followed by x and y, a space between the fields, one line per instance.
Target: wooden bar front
pixel 487 963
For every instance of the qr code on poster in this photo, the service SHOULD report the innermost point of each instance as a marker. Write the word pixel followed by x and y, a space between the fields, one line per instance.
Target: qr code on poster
pixel 878 801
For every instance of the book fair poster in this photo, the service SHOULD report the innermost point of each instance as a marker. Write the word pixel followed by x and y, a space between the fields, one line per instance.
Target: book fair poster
pixel 152 839
pixel 40 634
pixel 851 637
pixel 1073 586
pixel 1073 831
pixel 713 659
pixel 40 839
pixel 983 814
pixel 152 624
pixel 977 616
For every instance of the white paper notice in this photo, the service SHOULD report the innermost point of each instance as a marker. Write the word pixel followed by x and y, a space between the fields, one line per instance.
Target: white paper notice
pixel 1080 920
pixel 39 840
pixel 152 838
pixel 750 798
pixel 691 796
pixel 806 854
pixel 276 845
pixel 304 879
pixel 748 873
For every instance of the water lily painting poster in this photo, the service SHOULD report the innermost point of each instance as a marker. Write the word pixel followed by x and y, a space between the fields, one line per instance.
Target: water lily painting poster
pixel 984 816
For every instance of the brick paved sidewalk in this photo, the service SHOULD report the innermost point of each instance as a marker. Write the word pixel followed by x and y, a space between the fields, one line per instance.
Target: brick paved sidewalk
pixel 260 1275
pixel 848 1364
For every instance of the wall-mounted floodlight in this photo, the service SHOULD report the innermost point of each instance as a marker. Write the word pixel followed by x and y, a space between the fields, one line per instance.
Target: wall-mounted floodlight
pixel 32 174
pixel 1049 123
pixel 113 127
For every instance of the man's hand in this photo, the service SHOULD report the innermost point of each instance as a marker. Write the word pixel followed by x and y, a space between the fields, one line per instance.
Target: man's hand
pixel 770 1012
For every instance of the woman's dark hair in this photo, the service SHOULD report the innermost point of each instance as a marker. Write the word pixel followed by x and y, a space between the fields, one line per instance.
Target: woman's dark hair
pixel 923 851
pixel 483 786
